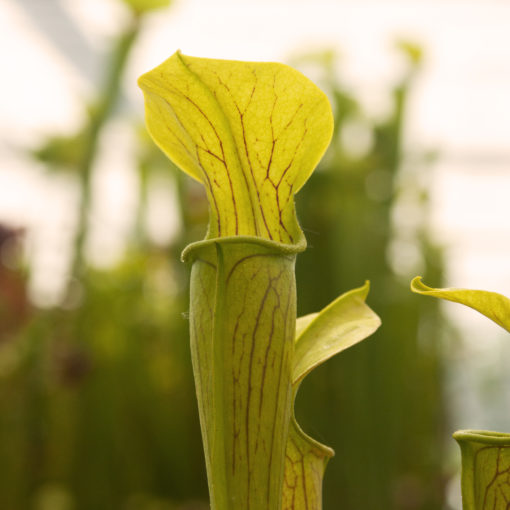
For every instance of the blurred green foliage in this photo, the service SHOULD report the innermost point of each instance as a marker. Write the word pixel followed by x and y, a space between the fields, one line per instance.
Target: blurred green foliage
pixel 98 400
pixel 380 402
pixel 97 404
pixel 140 7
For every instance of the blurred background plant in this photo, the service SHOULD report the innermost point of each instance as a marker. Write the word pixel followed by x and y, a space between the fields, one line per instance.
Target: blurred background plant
pixel 382 402
pixel 97 404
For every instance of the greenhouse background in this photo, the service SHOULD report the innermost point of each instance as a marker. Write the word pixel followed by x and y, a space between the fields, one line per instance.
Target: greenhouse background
pixel 97 405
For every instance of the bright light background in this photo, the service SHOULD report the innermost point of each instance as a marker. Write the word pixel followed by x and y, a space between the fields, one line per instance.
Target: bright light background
pixel 460 107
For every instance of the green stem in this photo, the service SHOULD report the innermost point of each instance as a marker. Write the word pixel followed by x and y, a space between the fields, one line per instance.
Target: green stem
pixel 242 319
pixel 98 118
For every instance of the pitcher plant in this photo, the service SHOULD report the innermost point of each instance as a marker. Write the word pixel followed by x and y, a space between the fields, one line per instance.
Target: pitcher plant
pixel 252 133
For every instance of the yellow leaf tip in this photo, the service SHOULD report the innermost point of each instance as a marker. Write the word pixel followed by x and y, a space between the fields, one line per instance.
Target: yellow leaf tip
pixel 418 286
pixel 365 289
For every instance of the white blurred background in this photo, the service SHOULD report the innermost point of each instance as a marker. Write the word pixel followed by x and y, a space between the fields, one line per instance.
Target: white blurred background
pixel 460 108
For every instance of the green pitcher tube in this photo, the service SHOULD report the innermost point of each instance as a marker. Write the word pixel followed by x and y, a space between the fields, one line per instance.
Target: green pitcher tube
pixel 485 469
pixel 242 325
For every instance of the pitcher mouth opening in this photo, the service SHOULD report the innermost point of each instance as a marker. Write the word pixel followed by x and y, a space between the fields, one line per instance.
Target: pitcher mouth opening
pixel 483 436
pixel 276 246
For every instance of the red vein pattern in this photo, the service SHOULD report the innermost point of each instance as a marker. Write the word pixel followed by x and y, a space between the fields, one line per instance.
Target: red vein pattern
pixel 251 132
pixel 245 403
pixel 305 463
pixel 491 471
